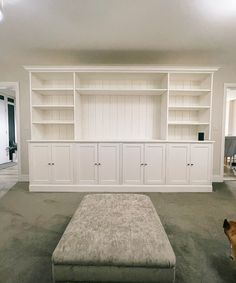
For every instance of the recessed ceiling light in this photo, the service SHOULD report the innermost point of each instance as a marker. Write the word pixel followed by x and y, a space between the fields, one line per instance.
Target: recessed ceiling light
pixel 1 10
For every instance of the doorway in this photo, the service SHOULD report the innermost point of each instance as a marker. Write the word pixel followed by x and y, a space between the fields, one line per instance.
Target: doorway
pixel 229 134
pixel 3 130
pixel 10 169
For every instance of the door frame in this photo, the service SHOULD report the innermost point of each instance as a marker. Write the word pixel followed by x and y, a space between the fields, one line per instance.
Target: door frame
pixel 226 87
pixel 15 86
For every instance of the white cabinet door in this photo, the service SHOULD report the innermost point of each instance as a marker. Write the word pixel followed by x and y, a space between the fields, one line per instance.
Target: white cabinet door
pixel 178 164
pixel 154 164
pixel 201 164
pixel 62 163
pixel 40 163
pixel 132 164
pixel 108 160
pixel 87 168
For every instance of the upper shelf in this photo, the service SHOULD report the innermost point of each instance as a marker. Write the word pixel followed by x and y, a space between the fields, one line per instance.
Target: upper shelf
pixel 189 92
pixel 99 91
pixel 53 107
pixel 54 90
pixel 188 108
pixel 54 122
pixel 197 123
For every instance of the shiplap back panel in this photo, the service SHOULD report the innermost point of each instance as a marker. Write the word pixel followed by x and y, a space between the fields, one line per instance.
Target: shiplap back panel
pixel 53 132
pixel 52 80
pixel 122 81
pixel 121 84
pixel 121 117
pixel 39 99
pixel 187 132
pixel 58 100
pixel 189 100
pixel 183 116
pixel 190 81
pixel 52 115
pixel 183 132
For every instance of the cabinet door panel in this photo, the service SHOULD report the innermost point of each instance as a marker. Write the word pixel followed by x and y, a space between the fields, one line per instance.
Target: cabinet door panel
pixel 108 158
pixel 39 163
pixel 201 160
pixel 132 168
pixel 86 170
pixel 62 163
pixel 177 164
pixel 154 170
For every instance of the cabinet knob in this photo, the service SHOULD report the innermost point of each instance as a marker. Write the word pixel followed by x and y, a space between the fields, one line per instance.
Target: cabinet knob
pixel 192 164
pixel 53 163
pixel 142 164
pixel 49 163
pixel 188 164
pixel 99 163
pixel 145 164
pixel 95 163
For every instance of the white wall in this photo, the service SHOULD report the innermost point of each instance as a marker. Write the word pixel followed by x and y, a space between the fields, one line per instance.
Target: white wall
pixel 13 71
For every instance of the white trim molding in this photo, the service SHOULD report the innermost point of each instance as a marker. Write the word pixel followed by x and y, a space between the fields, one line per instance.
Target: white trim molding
pixel 226 87
pixel 121 188
pixel 121 69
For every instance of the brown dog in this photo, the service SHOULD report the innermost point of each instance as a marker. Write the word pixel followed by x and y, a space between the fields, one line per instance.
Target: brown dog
pixel 230 231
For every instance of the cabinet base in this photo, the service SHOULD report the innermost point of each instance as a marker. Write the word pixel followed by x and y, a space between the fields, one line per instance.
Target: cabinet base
pixel 121 188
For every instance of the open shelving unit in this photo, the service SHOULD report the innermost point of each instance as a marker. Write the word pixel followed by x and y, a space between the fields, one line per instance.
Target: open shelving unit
pixel 120 104
pixel 52 103
pixel 189 109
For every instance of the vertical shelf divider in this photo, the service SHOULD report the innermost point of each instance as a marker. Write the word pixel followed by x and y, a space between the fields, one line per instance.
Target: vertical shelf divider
pixel 75 108
pixel 210 119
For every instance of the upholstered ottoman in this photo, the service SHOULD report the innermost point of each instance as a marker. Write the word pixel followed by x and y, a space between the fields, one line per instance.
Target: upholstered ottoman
pixel 114 238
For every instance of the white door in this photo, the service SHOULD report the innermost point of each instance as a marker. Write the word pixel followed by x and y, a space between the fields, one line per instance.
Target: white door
pixel 201 164
pixel 154 164
pixel 178 164
pixel 132 164
pixel 108 163
pixel 62 163
pixel 4 156
pixel 40 163
pixel 87 164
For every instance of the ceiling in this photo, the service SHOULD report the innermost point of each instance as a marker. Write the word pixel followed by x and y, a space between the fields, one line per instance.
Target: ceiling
pixel 31 27
pixel 8 91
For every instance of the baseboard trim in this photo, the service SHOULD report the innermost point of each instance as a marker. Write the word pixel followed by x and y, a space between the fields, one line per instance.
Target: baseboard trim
pixel 121 188
pixel 217 179
pixel 23 178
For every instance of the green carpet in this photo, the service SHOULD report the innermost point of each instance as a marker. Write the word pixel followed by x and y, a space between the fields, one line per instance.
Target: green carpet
pixel 31 225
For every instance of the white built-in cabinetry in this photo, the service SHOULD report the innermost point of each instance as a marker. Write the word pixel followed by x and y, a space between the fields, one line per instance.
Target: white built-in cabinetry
pixel 97 163
pixel 120 128
pixel 143 164
pixel 189 164
pixel 51 163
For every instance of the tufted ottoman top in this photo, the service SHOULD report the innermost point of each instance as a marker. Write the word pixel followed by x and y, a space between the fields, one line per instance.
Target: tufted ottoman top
pixel 115 230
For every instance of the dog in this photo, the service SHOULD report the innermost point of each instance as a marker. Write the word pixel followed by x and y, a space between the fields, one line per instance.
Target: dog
pixel 230 231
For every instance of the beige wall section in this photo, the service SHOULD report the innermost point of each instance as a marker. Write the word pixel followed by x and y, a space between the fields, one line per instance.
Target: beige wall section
pixel 15 72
